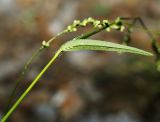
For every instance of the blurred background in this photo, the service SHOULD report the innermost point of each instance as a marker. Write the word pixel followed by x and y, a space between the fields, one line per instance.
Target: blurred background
pixel 85 86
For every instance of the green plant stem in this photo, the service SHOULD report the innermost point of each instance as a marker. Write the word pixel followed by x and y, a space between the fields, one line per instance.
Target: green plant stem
pixel 53 38
pixel 127 37
pixel 84 36
pixel 12 109
pixel 21 77
pixel 24 70
pixel 154 43
pixel 155 46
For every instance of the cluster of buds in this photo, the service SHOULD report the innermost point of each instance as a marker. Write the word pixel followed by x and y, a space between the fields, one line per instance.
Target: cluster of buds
pixel 117 24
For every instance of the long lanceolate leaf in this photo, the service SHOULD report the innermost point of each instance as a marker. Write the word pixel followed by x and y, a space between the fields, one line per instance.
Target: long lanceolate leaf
pixel 89 44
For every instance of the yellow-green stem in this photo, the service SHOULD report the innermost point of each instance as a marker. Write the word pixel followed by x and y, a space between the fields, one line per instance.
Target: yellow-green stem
pixel 12 109
pixel 35 54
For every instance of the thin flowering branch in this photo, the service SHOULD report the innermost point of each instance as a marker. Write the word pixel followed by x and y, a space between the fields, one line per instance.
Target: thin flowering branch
pixel 117 24
pixel 24 70
pixel 154 43
pixel 155 46
pixel 129 30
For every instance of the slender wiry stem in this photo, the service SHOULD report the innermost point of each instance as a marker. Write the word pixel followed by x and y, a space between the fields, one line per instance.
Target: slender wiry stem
pixel 154 43
pixel 24 70
pixel 12 109
pixel 127 37
pixel 92 33
pixel 21 77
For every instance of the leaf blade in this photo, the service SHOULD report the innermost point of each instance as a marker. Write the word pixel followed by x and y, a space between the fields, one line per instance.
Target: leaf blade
pixel 89 44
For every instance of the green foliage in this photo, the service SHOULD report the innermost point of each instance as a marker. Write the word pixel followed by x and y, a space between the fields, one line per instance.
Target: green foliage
pixel 89 44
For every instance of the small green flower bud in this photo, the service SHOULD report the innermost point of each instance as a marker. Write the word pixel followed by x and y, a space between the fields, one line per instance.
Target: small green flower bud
pixel 90 20
pixel 106 22
pixel 114 26
pixel 74 29
pixel 118 22
pixel 118 19
pixel 69 28
pixel 76 22
pixel 122 28
pixel 99 26
pixel 108 29
pixel 45 44
pixel 96 23
pixel 84 22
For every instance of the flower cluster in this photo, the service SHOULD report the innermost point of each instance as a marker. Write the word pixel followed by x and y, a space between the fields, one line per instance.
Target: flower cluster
pixel 117 24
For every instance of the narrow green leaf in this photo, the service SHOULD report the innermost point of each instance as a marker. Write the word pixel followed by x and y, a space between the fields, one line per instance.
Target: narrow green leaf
pixel 89 44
